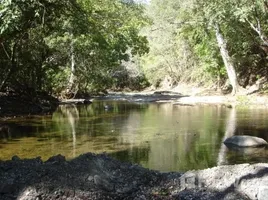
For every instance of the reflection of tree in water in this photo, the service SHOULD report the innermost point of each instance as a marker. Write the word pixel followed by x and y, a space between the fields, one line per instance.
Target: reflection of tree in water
pixel 96 129
pixel 5 132
pixel 182 138
pixel 252 122
pixel 245 122
pixel 253 130
pixel 72 115
pixel 101 121
pixel 133 155
pixel 159 136
pixel 20 129
pixel 229 132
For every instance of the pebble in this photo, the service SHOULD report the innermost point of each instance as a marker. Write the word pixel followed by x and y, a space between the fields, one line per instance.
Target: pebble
pixel 90 178
pixel 15 158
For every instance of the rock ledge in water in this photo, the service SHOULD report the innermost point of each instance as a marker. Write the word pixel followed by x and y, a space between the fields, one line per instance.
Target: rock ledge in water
pixel 245 141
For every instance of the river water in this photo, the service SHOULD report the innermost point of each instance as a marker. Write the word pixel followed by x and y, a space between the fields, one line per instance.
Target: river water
pixel 158 136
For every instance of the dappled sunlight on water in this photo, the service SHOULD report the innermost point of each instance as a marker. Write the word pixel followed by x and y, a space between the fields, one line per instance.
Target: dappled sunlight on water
pixel 158 136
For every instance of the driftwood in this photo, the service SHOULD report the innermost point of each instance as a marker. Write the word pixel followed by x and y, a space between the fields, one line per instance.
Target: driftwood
pixel 257 86
pixel 76 101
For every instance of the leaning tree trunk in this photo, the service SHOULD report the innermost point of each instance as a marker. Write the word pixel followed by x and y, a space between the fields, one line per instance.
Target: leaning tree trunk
pixel 227 60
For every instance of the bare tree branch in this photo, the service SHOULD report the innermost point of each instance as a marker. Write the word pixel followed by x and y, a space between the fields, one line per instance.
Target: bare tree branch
pixel 258 30
pixel 5 51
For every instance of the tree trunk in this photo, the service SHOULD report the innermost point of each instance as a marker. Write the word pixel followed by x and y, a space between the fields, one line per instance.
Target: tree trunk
pixel 227 60
pixel 11 69
pixel 72 76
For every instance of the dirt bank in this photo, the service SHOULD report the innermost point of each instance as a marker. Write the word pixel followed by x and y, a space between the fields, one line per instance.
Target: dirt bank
pixel 91 176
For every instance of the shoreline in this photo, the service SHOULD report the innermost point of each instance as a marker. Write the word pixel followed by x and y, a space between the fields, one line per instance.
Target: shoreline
pixel 176 98
pixel 91 176
pixel 13 106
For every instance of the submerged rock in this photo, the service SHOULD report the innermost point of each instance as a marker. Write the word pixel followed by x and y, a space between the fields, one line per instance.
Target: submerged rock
pixel 245 141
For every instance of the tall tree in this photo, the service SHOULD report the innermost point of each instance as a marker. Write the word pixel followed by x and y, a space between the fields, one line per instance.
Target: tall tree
pixel 213 15
pixel 225 38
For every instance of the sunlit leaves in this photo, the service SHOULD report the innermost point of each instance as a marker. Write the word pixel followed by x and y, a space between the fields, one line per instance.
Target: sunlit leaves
pixel 40 36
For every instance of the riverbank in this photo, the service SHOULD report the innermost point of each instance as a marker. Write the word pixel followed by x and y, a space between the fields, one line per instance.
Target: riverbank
pixel 15 105
pixel 91 176
pixel 12 104
pixel 176 98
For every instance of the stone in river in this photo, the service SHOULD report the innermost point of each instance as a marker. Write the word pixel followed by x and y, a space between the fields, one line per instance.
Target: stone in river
pixel 245 141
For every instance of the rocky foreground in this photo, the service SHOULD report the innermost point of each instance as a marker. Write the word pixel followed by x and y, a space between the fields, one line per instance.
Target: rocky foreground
pixel 91 176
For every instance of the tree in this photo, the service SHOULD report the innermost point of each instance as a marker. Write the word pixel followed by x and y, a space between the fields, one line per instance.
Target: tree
pixel 229 65
pixel 233 37
pixel 23 27
pixel 225 39
pixel 254 13
pixel 214 15
pixel 67 46
pixel 170 53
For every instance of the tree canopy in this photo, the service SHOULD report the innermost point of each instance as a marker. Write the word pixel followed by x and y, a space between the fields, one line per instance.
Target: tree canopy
pixel 68 45
pixel 184 42
pixel 79 46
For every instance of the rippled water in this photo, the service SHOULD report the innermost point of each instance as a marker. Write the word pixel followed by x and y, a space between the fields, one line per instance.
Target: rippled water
pixel 158 136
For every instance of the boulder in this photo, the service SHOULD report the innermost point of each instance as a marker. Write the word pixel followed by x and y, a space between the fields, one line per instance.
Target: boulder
pixel 245 141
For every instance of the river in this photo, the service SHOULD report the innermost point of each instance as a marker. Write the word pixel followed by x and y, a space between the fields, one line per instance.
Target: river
pixel 159 136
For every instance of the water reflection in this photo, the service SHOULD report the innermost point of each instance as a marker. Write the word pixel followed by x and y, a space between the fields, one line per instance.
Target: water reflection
pixel 246 122
pixel 229 132
pixel 72 114
pixel 158 136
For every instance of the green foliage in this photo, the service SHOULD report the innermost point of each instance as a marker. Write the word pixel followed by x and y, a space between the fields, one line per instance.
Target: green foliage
pixel 23 27
pixel 41 40
pixel 177 49
pixel 84 45
pixel 183 43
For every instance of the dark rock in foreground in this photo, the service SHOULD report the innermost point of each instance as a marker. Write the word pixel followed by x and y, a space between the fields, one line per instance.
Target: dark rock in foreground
pixel 245 141
pixel 91 176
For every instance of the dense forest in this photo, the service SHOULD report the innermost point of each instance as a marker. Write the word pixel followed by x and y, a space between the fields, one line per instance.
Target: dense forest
pixel 72 47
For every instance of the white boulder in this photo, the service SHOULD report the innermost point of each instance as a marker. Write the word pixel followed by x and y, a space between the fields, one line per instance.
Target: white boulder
pixel 245 141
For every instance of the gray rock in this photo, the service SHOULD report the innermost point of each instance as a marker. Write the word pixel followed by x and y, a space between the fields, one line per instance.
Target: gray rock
pixel 245 141
pixel 263 193
pixel 103 183
pixel 90 178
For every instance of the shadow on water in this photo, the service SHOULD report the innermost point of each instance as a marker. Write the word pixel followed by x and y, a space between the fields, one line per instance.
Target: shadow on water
pixel 156 135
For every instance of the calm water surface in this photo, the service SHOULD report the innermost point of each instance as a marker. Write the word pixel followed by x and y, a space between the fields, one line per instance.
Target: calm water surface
pixel 158 136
